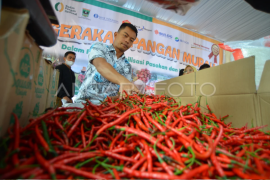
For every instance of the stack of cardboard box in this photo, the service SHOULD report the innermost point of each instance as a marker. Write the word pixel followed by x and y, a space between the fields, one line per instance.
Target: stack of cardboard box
pixel 228 89
pixel 25 76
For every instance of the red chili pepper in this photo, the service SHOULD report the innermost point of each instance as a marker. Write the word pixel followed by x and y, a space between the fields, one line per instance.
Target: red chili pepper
pixel 37 120
pixel 57 137
pixel 117 156
pixel 116 121
pixel 145 120
pixel 76 124
pixel 213 156
pixel 230 148
pixel 145 136
pixel 109 99
pixel 15 172
pixel 139 122
pixel 210 149
pixel 78 172
pixel 83 136
pixel 148 175
pixel 41 139
pixel 194 172
pixel 154 122
pixel 149 157
pixel 56 119
pixel 44 163
pixel 138 163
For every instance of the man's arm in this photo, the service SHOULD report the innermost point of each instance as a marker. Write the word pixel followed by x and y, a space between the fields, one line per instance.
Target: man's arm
pixel 108 72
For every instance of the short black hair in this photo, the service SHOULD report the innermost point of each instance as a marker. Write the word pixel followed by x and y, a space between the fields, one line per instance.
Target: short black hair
pixel 131 26
pixel 70 52
pixel 204 66
pixel 181 72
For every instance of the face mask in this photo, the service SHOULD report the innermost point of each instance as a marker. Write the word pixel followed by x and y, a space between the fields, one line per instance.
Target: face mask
pixel 69 63
pixel 83 72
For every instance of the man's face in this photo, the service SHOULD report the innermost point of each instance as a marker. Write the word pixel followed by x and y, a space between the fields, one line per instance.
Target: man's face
pixel 124 39
pixel 188 70
pixel 70 57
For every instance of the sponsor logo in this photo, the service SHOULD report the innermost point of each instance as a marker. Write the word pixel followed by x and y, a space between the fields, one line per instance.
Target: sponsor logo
pixel 163 34
pixel 199 46
pixel 36 109
pixel 85 12
pixel 59 6
pixel 102 18
pixel 25 66
pixel 68 9
pixel 180 40
pixel 18 110
pixel 40 79
pixel 142 28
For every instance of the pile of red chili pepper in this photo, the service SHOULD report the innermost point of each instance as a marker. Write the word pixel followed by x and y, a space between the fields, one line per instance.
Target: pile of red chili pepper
pixel 139 136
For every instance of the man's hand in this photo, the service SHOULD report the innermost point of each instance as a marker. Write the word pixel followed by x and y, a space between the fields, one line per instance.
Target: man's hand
pixel 67 99
pixel 128 87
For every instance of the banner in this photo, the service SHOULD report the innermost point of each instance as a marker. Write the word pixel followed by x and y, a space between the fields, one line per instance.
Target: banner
pixel 158 53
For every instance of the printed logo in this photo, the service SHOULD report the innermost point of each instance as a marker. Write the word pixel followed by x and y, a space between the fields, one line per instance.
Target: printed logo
pixel 36 109
pixel 18 111
pixel 40 77
pixel 59 6
pixel 199 46
pixel 141 29
pixel 85 12
pixel 180 40
pixel 68 9
pixel 25 66
pixel 105 19
pixel 163 34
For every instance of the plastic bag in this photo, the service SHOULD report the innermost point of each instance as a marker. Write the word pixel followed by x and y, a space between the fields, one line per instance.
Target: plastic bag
pixel 259 48
pixel 178 6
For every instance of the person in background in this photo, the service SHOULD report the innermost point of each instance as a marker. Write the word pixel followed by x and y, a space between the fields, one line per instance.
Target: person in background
pixel 204 66
pixel 181 72
pixel 108 71
pixel 81 76
pixel 66 85
pixel 189 69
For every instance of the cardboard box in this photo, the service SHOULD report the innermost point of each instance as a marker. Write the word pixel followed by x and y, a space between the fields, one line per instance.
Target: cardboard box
pixel 41 89
pixel 18 98
pixel 263 96
pixel 53 87
pixel 229 89
pixel 12 69
pixel 183 86
pixel 12 30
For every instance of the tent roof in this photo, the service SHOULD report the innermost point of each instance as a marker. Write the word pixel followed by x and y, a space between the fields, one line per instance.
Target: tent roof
pixel 230 20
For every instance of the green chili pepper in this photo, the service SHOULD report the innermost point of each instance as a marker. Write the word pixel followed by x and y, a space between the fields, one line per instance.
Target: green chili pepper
pixel 79 165
pixel 46 137
pixel 173 143
pixel 76 145
pixel 138 149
